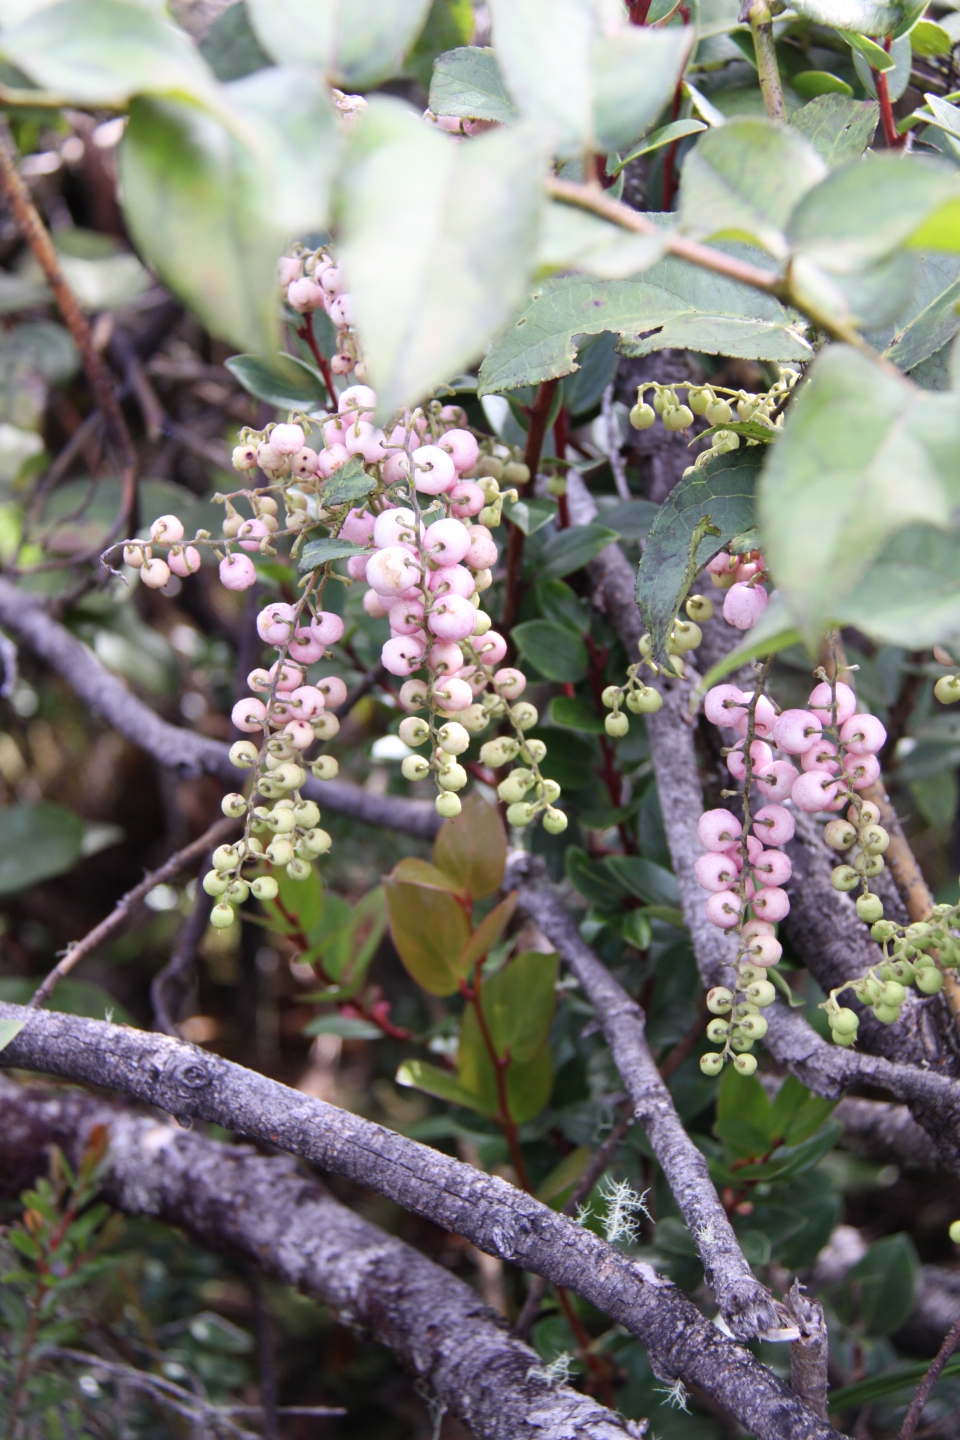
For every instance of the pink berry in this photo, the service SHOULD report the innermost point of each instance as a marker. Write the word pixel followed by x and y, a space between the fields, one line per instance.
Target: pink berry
pixel 723 909
pixel 396 467
pixel 259 681
pixel 167 530
pixel 184 562
pixel 743 605
pixel 237 572
pixel 511 683
pixel 395 527
pixel 304 295
pixel 483 551
pixel 718 829
pixel 764 949
pixel 747 569
pixel 357 567
pixel 358 527
pixel 275 623
pixel 724 704
pixel 772 868
pixel 342 312
pixel 771 903
pixel 248 715
pixel 491 648
pixel 288 269
pixel 402 655
pixel 446 541
pixel 774 825
pixel 865 772
pixel 433 470
pixel 797 731
pixel 307 701
pixel 305 463
pixel 815 790
pixel 250 534
pixel 715 872
pixel 453 618
pixel 776 780
pixel 373 605
pixel 721 564
pixel 333 690
pixel 446 658
pixel 468 499
pixel 288 675
pixel 461 447
pixel 365 440
pixel 326 627
pixel 821 756
pixel 453 694
pixel 863 735
pixel 760 754
pixel 754 851
pixel 305 647
pixel 764 719
pixel 355 397
pixel 451 580
pixel 335 432
pixel 331 460
pixel 392 570
pixel 287 439
pixel 757 927
pixel 406 617
pixel 821 697
pixel 299 733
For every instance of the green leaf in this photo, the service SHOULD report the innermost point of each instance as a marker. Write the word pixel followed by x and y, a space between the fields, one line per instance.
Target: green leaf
pixel 632 519
pixel 879 1291
pixel 468 83
pixel 791 1160
pixel 809 84
pixel 931 320
pixel 36 843
pixel 572 239
pixel 569 550
pixel 743 180
pixel 723 492
pixel 865 210
pixel 832 494
pixel 472 849
pixel 649 882
pixel 472 213
pixel 429 930
pixel 559 602
pixel 103 52
pixel 597 360
pixel 867 59
pixel 230 47
pixel 876 56
pixel 348 1027
pixel 321 552
pixel 743 1097
pixel 598 83
pixel 575 714
pixel 552 649
pixel 928 38
pixel 592 880
pixel 210 215
pixel 350 483
pixel 449 23
pixel 910 595
pixel 279 379
pixel 434 1081
pixel 487 934
pixel 41 347
pixel 9 1030
pixel 531 515
pixel 674 304
pixel 676 130
pixel 864 17
pixel 413 871
pixel 796 1114
pixel 69 997
pixel 903 1377
pixel 838 129
pixel 773 632
pixel 356 42
pixel 555 1189
pixel 518 1003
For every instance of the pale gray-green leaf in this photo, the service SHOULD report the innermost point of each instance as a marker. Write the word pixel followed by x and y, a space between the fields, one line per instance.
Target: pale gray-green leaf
pixel 910 595
pixel 634 74
pixel 865 17
pixel 321 552
pixel 230 47
pixel 897 72
pixel 467 82
pixel 862 455
pixel 355 42
pixel 742 181
pixel 437 273
pixel 675 304
pixel 36 843
pixel 279 380
pixel 931 320
pixel 676 130
pixel 573 239
pixel 838 129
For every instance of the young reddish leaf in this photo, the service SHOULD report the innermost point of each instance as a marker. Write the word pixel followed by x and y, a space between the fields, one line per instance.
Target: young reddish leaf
pixel 420 872
pixel 442 1084
pixel 487 933
pixel 429 930
pixel 472 849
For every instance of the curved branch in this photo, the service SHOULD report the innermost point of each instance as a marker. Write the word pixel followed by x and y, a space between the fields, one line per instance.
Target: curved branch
pixel 745 1304
pixel 265 1210
pixel 191 1084
pixel 175 748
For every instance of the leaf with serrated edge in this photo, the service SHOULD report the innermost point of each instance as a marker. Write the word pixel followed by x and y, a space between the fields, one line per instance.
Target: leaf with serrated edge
pixel 839 129
pixel 319 552
pixel 832 490
pixel 571 239
pixel 724 490
pixel 674 303
pixel 467 82
pixel 433 285
pixel 350 483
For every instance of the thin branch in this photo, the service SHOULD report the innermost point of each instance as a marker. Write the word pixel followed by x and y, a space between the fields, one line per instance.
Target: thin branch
pixel 925 1388
pixel 768 71
pixel 269 1212
pixel 36 235
pixel 128 903
pixel 192 1084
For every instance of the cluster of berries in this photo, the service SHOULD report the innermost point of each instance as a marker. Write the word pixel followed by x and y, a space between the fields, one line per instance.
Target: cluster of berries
pixel 742 578
pixel 312 280
pixel 765 411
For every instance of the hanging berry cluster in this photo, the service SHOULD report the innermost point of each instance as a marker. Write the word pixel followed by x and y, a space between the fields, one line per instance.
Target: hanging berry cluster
pixel 758 417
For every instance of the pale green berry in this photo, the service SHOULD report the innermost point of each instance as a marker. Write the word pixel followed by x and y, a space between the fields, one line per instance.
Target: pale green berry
pixel 711 1064
pixel 551 791
pixel 452 738
pixel 678 417
pixel 238 892
pixel 481 625
pixel 753 1026
pixel 844 877
pixel 452 777
pixel 512 790
pixel 525 715
pixel 642 416
pixel 215 884
pixel 719 1000
pixel 887 1014
pixel 265 888
pixel 519 814
pixel 515 472
pixel 929 980
pixel 893 993
pixel 316 841
pixel 233 806
pixel 225 857
pixel 645 645
pixel 221 916
pixel 280 851
pixel 554 821
pixel 870 908
pixel 414 767
pixel 243 754
pixel 448 805
pixel 306 814
pixel 954 1232
pixel 947 689
pixel 868 865
pixel 610 696
pixel 474 718
pixel 745 1064
pixel 699 607
pixel 281 820
pixel 414 731
pixel 325 767
pixel 686 635
pixel 645 701
pixel 299 869
pixel 718 412
pixel 499 752
pixel 883 930
pixel 761 992
pixel 717 1030
pixel 533 751
pixel 325 726
pixel 875 840
pixel 840 834
pixel 617 725
pixel 843 1021
pixel 699 399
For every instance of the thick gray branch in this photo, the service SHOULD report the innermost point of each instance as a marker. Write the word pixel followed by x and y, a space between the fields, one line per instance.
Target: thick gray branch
pixel 879 1130
pixel 191 1084
pixel 745 1304
pixel 175 748
pixel 265 1210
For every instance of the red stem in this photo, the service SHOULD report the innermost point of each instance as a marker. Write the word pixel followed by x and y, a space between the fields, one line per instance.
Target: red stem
pixel 501 1064
pixel 670 162
pixel 305 332
pixel 894 141
pixel 539 415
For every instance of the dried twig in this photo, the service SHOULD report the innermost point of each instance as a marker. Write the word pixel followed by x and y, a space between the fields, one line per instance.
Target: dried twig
pixel 925 1388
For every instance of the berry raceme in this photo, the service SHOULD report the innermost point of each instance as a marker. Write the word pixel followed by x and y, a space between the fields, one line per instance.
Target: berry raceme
pixel 720 407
